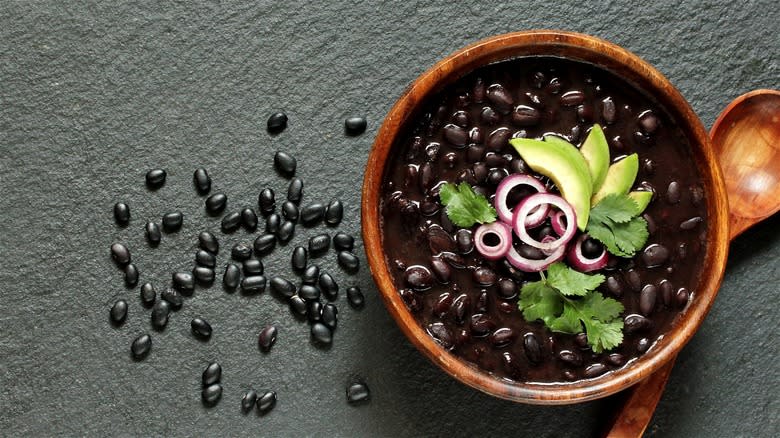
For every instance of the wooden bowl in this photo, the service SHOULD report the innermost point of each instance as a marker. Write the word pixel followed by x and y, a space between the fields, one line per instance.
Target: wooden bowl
pixel 625 64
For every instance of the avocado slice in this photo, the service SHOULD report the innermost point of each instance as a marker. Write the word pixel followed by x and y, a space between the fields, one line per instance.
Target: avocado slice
pixel 563 163
pixel 596 152
pixel 620 177
pixel 642 199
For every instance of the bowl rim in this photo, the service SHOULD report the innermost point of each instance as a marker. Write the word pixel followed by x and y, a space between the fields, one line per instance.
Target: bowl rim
pixel 550 42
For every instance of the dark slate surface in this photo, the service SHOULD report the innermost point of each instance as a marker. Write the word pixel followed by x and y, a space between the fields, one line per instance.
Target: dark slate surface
pixel 94 94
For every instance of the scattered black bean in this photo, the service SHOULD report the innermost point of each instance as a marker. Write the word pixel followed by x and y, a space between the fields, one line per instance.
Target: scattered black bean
pixel 118 312
pixel 264 244
pixel 348 261
pixel 131 275
pixel 231 222
pixel 273 223
pixel 152 233
pixel 343 242
pixel 212 374
pixel 202 181
pixel 355 125
pixel 171 222
pixel 203 275
pixel 253 267
pixel 211 394
pixel 148 294
pixel 241 252
pixel 200 327
pixel 205 259
pixel 299 258
pixel 216 203
pixel 286 231
pixel 311 275
pixel 232 276
pixel 173 297
pixel 120 254
pixel 358 392
pixel 294 191
pixel 312 213
pixel 183 281
pixel 319 244
pixel 160 313
pixel 141 346
pixel 309 292
pixel 121 213
pixel 334 212
pixel 328 286
pixel 355 297
pixel 282 287
pixel 208 242
pixel 155 178
pixel 266 402
pixel 298 305
pixel 266 200
pixel 253 284
pixel 290 211
pixel 314 311
pixel 248 400
pixel 276 123
pixel 249 219
pixel 267 338
pixel 330 315
pixel 320 333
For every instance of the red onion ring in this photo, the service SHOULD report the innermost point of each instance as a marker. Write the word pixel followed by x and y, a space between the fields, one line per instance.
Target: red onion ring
pixel 502 193
pixel 523 210
pixel 578 261
pixel 531 265
pixel 499 229
pixel 556 220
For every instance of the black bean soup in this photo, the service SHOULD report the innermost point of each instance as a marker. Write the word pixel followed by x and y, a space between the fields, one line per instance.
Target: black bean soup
pixel 470 304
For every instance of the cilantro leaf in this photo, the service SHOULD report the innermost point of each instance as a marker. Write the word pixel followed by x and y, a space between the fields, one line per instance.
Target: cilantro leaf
pixel 614 222
pixel 568 322
pixel 604 335
pixel 539 301
pixel 570 282
pixel 602 308
pixel 464 206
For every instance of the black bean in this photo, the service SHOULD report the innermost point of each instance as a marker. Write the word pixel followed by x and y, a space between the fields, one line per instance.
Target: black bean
pixel 208 242
pixel 691 223
pixel 614 286
pixel 502 337
pixel 183 281
pixel 273 223
pixel 264 244
pixel 330 315
pixel 634 323
pixel 282 287
pixel 253 284
pixel 512 365
pixel 241 252
pixel 343 241
pixel 290 211
pixel 348 261
pixel 524 115
pixel 642 345
pixel 443 305
pixel 461 118
pixel 313 311
pixel 155 178
pixel 439 240
pixel 594 370
pixel 212 374
pixel 148 294
pixel 309 292
pixel 608 110
pixel 355 125
pixel 455 135
pixel 141 346
pixel 286 231
pixel 131 275
pixel 681 297
pixel 616 359
pixel 495 176
pixel 216 203
pixel 632 277
pixel 248 400
pixel 532 348
pixel 294 191
pixel 572 98
pixel 442 334
pixel 312 213
pixel 481 325
pixel 152 233
pixel 334 212
pixel 418 277
pixel 554 87
pixel 648 122
pixel 358 392
pixel 311 275
pixel 276 123
pixel 498 139
pixel 299 258
pixel 231 277
pixel 655 255
pixel 485 276
pixel 266 200
pixel 200 327
pixel 252 267
pixel 160 313
pixel 203 275
pixel 266 402
pixel 585 113
pixel 480 172
pixel 231 222
pixel 570 357
pixel 298 305
pixel 441 270
pixel 321 334
pixel 454 260
pixel 500 98
pixel 121 213
pixel 478 92
pixel 267 338
pixel 120 254
pixel 249 219
pixel 673 192
pixel 173 297
pixel 647 299
pixel 355 297
pixel 172 222
pixel 211 394
pixel 507 289
pixel 202 181
pixel 205 258
pixel 667 291
pixel 697 194
pixel 118 312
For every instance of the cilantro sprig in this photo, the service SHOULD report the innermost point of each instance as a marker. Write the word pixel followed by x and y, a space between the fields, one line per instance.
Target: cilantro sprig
pixel 614 222
pixel 465 207
pixel 566 301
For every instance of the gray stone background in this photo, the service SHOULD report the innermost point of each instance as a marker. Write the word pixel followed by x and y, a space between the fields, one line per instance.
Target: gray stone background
pixel 93 94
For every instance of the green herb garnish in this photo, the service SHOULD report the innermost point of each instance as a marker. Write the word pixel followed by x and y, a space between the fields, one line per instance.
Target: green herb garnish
pixel 465 207
pixel 566 300
pixel 614 222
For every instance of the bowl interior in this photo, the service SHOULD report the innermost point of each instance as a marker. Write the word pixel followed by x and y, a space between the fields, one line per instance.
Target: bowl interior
pixel 634 70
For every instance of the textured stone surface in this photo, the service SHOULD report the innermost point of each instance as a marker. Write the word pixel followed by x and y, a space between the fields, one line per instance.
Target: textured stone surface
pixel 93 94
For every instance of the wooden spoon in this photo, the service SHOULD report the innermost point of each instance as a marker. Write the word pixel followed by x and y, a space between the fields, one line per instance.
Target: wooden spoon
pixel 746 138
